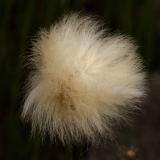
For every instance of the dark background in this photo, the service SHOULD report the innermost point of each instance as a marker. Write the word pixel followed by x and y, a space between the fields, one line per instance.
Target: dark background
pixel 19 22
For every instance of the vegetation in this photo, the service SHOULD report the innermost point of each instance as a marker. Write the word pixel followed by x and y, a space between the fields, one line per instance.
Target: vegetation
pixel 20 20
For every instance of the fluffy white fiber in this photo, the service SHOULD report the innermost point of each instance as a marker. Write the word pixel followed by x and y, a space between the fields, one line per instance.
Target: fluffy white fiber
pixel 83 80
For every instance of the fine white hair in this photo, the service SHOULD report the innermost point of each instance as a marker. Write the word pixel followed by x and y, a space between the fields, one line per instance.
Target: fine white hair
pixel 83 80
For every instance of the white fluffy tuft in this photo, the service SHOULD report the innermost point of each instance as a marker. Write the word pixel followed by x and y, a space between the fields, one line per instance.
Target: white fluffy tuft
pixel 83 81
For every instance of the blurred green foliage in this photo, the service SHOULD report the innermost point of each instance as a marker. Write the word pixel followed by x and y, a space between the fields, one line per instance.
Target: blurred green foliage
pixel 20 20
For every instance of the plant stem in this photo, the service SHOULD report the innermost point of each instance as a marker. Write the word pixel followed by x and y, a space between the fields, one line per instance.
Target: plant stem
pixel 69 150
pixel 79 152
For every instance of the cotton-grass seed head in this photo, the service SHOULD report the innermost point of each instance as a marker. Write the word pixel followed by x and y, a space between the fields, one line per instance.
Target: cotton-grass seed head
pixel 83 80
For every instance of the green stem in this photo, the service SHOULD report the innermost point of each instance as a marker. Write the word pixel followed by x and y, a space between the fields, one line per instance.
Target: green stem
pixel 69 150
pixel 79 152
